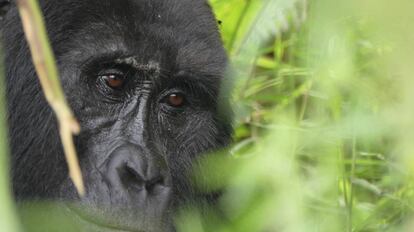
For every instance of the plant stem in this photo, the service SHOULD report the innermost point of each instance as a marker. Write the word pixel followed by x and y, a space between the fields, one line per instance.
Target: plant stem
pixel 44 62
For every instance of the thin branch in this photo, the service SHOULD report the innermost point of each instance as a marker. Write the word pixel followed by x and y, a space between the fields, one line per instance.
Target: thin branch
pixel 44 62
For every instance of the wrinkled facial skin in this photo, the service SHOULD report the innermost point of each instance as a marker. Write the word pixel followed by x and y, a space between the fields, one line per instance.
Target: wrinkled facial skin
pixel 143 77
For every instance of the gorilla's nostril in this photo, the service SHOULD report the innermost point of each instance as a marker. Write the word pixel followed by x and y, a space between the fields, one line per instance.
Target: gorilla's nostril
pixel 134 179
pixel 152 185
pixel 131 178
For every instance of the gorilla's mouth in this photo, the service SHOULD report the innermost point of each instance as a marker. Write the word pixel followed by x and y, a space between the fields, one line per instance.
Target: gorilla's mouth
pixel 97 223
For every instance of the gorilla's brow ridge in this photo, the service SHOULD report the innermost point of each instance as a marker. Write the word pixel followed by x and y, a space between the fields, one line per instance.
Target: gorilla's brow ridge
pixel 151 66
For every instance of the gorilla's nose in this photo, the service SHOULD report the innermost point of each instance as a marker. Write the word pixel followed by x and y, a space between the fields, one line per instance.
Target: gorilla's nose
pixel 133 169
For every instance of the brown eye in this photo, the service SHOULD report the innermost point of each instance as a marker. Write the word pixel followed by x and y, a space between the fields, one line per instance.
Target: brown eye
pixel 114 81
pixel 176 100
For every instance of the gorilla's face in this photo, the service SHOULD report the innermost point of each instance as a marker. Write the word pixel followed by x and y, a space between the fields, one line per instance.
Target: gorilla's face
pixel 143 78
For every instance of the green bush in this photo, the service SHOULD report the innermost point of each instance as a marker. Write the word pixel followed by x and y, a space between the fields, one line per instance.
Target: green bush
pixel 324 130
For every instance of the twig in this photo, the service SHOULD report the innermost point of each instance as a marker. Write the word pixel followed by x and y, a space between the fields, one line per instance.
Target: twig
pixel 44 62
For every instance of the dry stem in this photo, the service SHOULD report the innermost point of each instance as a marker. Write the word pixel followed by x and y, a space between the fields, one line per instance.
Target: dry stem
pixel 44 62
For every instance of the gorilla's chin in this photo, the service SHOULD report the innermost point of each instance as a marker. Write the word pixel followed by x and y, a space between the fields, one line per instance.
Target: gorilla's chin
pixel 112 220
pixel 127 209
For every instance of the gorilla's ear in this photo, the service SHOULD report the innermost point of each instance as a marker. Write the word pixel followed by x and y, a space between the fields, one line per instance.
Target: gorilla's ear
pixel 4 7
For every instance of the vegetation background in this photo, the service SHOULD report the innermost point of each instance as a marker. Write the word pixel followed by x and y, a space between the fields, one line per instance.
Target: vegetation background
pixel 324 120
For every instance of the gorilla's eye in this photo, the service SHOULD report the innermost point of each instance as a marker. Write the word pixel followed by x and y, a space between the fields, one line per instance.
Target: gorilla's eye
pixel 176 99
pixel 114 81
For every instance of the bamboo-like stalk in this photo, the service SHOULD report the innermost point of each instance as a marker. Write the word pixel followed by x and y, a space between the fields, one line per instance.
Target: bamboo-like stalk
pixel 44 62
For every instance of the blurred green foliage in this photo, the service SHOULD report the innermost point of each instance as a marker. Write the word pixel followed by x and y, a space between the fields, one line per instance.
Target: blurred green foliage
pixel 324 120
pixel 324 128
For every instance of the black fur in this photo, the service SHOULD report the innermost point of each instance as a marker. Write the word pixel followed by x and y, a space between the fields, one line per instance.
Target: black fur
pixel 163 46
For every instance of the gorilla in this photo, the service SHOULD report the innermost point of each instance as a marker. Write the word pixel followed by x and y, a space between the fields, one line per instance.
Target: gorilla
pixel 145 80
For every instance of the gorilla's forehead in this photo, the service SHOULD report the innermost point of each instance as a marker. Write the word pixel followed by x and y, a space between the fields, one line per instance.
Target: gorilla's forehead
pixel 181 32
